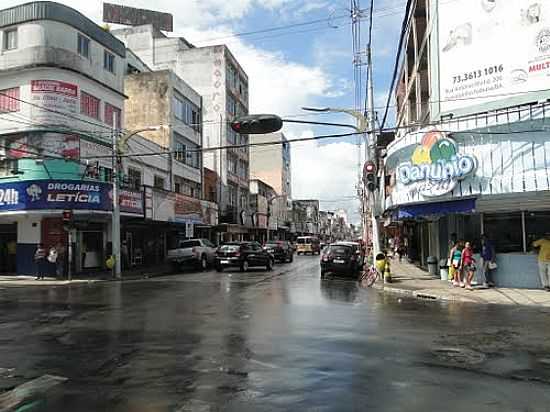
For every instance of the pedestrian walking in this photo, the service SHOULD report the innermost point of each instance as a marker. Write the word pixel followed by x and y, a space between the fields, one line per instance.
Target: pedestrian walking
pixel 453 242
pixel 40 261
pixel 488 264
pixel 468 265
pixel 544 260
pixel 456 262
pixel 52 260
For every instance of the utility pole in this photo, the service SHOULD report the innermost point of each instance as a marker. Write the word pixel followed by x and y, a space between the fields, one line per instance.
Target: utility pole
pixel 115 222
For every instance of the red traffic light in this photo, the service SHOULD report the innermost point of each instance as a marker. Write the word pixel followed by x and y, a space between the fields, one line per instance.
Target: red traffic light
pixel 67 215
pixel 257 124
pixel 369 167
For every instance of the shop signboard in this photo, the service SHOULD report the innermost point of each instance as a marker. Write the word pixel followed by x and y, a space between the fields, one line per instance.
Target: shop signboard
pixel 52 100
pixel 30 145
pixel 65 195
pixel 473 69
pixel 131 202
pixel 436 166
pixel 187 209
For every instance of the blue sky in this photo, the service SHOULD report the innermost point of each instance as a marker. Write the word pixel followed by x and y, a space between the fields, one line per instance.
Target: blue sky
pixel 307 65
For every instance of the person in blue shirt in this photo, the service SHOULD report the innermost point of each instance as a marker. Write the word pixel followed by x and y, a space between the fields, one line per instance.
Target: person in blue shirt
pixel 488 256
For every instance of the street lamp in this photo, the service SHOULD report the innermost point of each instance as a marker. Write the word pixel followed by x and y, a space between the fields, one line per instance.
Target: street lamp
pixel 362 127
pixel 119 146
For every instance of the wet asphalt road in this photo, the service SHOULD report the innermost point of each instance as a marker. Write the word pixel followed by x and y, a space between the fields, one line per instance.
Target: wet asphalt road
pixel 269 341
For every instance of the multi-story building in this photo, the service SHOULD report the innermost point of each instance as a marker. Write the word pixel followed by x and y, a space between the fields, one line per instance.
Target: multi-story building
pixel 470 156
pixel 61 94
pixel 162 98
pixel 218 77
pixel 272 164
pixel 305 217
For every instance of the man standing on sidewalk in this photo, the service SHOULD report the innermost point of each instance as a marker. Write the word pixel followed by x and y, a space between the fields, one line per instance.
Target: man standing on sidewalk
pixel 544 260
pixel 488 256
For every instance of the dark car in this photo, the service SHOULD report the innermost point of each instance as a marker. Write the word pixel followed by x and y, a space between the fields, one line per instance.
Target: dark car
pixel 243 255
pixel 342 257
pixel 281 250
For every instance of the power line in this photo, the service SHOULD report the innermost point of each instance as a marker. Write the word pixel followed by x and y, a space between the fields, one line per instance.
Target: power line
pixel 404 29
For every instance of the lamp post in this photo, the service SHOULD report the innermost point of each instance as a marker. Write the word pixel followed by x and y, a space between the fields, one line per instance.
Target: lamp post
pixel 119 146
pixel 362 124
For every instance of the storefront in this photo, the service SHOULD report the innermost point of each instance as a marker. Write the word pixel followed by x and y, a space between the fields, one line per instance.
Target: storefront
pixel 476 180
pixel 32 211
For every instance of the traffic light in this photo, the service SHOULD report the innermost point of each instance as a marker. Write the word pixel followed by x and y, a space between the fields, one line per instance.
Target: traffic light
pixel 369 176
pixel 67 218
pixel 257 124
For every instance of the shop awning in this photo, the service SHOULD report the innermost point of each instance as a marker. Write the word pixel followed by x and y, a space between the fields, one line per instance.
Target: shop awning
pixel 436 208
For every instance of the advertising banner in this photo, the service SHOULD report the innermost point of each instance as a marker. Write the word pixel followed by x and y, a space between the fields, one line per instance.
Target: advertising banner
pixel 492 50
pixel 66 195
pixel 49 144
pixel 187 209
pixel 52 99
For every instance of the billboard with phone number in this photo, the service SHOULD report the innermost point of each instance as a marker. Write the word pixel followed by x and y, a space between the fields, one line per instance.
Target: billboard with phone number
pixel 492 50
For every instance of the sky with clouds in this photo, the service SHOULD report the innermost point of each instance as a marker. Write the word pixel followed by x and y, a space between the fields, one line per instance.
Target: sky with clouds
pixel 309 64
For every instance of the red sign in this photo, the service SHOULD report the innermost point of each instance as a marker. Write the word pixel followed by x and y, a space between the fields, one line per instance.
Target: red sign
pixel 54 86
pixel 131 202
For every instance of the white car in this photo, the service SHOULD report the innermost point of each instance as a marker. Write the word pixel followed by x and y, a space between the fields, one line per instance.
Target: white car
pixel 200 253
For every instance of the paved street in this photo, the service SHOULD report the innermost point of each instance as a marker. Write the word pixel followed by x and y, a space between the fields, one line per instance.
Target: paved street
pixel 269 341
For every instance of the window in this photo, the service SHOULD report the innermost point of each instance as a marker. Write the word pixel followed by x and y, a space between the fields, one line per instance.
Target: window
pixel 158 182
pixel 243 169
pixel 177 187
pixel 10 39
pixel 187 187
pixel 83 46
pixel 505 230
pixel 231 105
pixel 109 61
pixel 187 112
pixel 107 174
pixel 110 110
pixel 186 151
pixel 231 164
pixel 232 189
pixel 134 178
pixel 232 136
pixel 8 100
pixel 8 167
pixel 89 105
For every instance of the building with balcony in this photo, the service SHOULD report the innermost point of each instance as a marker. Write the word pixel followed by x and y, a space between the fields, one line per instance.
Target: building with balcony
pixel 471 155
pixel 61 95
pixel 223 84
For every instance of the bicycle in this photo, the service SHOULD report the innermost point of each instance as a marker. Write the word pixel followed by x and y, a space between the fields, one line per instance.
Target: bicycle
pixel 369 276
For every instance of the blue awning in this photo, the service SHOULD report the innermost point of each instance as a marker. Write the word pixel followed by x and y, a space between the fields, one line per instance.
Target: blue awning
pixel 436 208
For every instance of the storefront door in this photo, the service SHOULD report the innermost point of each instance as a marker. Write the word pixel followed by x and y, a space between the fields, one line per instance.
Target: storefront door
pixel 8 247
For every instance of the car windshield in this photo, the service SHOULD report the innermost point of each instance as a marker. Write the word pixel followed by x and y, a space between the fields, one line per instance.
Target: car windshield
pixel 229 248
pixel 303 240
pixel 189 243
pixel 340 250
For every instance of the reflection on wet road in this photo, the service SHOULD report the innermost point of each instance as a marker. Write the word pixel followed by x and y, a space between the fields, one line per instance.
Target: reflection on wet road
pixel 269 341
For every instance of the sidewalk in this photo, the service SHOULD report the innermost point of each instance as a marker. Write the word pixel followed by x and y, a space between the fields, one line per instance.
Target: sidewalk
pixel 102 276
pixel 412 281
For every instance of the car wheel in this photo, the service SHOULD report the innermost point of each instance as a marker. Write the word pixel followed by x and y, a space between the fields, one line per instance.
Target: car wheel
pixel 204 263
pixel 269 265
pixel 244 266
pixel 219 268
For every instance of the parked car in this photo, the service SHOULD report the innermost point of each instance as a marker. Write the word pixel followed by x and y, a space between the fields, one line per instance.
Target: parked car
pixel 308 244
pixel 243 255
pixel 281 250
pixel 342 258
pixel 198 252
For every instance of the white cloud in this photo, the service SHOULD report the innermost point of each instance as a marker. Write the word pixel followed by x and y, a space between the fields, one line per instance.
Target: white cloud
pixel 327 172
pixel 277 85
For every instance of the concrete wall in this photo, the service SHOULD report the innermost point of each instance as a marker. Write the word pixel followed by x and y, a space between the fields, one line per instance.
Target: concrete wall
pixel 52 43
